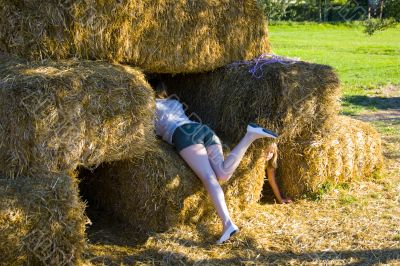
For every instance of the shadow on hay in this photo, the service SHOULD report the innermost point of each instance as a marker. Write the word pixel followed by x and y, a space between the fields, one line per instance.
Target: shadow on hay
pixel 382 103
pixel 105 228
pixel 108 231
pixel 166 257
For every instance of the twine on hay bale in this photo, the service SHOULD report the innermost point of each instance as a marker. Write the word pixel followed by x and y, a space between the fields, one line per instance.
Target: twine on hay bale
pixel 42 221
pixel 340 152
pixel 58 115
pixel 160 191
pixel 164 36
pixel 256 64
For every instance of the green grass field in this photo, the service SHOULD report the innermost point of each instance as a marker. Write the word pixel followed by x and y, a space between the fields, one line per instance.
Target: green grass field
pixel 363 62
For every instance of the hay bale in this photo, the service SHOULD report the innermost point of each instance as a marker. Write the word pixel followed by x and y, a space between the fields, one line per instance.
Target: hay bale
pixel 158 36
pixel 340 152
pixel 42 221
pixel 58 115
pixel 160 191
pixel 287 98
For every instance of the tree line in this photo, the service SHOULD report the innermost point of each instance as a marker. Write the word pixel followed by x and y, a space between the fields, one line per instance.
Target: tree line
pixel 375 14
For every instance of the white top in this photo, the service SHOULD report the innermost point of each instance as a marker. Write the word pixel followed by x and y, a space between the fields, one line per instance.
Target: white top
pixel 169 116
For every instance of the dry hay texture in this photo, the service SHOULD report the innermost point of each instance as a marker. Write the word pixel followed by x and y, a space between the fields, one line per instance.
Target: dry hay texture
pixel 160 191
pixel 340 152
pixel 163 36
pixel 58 115
pixel 42 221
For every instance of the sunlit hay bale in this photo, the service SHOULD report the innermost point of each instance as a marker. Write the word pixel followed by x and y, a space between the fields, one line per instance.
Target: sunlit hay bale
pixel 288 98
pixel 159 191
pixel 58 115
pixel 372 159
pixel 164 36
pixel 42 221
pixel 340 152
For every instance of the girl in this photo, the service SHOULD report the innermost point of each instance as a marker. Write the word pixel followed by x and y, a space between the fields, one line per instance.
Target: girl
pixel 271 156
pixel 201 149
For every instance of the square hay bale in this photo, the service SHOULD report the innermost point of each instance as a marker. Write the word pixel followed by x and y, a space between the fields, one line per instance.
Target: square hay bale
pixel 57 115
pixel 42 221
pixel 340 152
pixel 163 36
pixel 160 191
pixel 288 98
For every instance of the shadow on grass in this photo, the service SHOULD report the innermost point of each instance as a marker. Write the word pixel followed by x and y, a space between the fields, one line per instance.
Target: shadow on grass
pixel 372 102
pixel 392 152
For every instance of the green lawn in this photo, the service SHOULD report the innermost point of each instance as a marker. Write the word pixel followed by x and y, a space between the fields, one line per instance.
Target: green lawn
pixel 363 62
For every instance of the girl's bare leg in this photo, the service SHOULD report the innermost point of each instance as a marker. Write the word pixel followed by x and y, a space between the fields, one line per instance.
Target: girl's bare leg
pixel 197 158
pixel 225 168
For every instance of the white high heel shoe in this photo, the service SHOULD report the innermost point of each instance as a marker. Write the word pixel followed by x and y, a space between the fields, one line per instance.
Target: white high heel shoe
pixel 233 229
pixel 254 128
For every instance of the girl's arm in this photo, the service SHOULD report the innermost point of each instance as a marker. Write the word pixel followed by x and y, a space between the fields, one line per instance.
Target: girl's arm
pixel 274 186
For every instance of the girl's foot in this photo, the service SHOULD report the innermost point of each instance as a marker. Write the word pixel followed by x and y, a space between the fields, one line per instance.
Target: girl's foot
pixel 260 131
pixel 230 231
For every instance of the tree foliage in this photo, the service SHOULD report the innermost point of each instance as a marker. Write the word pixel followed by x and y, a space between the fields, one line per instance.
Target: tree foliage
pixel 275 9
pixel 376 14
pixel 389 18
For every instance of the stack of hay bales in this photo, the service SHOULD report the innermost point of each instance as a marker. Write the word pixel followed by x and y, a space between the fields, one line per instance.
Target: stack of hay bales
pixel 58 115
pixel 160 36
pixel 298 100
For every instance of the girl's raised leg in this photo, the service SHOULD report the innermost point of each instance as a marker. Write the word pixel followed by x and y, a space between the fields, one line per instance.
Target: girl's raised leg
pixel 224 168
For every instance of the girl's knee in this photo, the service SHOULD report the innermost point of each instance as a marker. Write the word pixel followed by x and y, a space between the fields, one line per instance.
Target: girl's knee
pixel 224 178
pixel 223 174
pixel 208 178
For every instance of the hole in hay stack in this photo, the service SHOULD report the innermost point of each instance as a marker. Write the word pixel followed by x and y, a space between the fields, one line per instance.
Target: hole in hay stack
pixel 105 228
pixel 267 194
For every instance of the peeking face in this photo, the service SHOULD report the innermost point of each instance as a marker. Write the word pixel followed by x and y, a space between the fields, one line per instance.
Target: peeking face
pixel 271 155
pixel 270 151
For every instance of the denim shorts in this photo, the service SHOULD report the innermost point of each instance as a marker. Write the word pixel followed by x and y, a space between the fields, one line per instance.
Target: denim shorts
pixel 194 133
